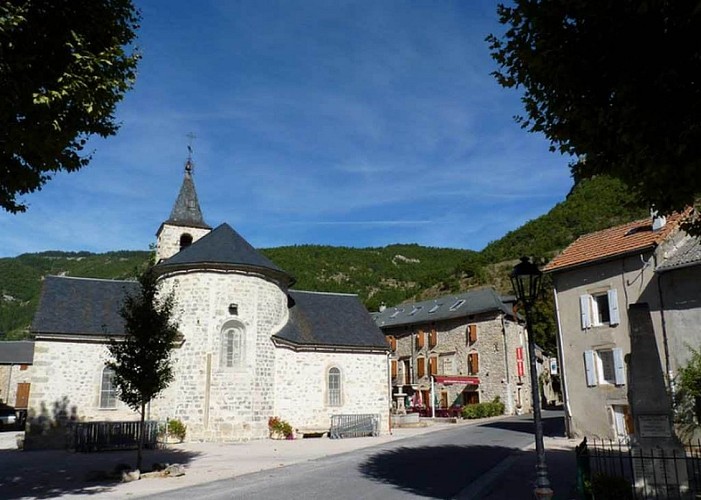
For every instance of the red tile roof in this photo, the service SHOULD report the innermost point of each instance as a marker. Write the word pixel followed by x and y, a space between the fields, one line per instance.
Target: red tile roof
pixel 619 240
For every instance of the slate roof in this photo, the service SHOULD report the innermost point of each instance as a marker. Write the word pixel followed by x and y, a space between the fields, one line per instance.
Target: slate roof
pixel 81 306
pixel 687 254
pixel 223 247
pixel 443 308
pixel 16 352
pixel 613 242
pixel 329 319
pixel 186 211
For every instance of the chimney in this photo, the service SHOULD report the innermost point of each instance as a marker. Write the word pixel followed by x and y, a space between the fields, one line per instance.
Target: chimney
pixel 382 307
pixel 658 221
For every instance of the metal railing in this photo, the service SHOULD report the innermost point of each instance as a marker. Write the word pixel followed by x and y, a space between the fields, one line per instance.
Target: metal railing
pixel 625 471
pixel 100 436
pixel 343 426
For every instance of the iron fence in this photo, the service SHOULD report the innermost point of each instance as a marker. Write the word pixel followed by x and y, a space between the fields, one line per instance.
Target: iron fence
pixel 100 436
pixel 343 426
pixel 608 469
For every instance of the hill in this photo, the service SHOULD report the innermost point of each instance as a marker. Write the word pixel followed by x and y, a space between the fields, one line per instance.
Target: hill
pixel 389 275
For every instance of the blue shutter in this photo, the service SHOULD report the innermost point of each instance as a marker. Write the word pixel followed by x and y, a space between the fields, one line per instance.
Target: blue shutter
pixel 614 316
pixel 619 366
pixel 584 308
pixel 590 368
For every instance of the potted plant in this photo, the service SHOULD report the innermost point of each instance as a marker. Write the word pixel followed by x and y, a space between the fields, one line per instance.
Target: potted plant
pixel 279 429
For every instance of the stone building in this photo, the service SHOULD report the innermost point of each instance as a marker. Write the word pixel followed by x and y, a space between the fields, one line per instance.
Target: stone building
pixel 251 347
pixel 16 359
pixel 607 286
pixel 470 347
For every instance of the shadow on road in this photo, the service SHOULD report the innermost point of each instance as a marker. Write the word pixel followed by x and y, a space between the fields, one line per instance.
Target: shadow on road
pixel 48 474
pixel 553 426
pixel 444 471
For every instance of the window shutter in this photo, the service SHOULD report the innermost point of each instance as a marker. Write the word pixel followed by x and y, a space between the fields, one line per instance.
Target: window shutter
pixel 584 308
pixel 619 366
pixel 432 338
pixel 433 365
pixel 614 316
pixel 420 339
pixel 472 333
pixel 589 368
pixel 394 368
pixel 392 340
pixel 473 363
pixel 421 366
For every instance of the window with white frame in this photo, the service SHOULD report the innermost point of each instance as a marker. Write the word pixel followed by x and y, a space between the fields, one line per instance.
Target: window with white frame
pixel 604 366
pixel 233 346
pixel 334 387
pixel 108 390
pixel 598 309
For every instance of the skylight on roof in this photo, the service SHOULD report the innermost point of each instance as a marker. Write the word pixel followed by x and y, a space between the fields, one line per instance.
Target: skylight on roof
pixel 415 310
pixel 434 308
pixel 396 313
pixel 455 306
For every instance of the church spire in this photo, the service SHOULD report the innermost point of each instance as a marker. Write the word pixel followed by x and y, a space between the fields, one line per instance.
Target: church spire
pixel 186 211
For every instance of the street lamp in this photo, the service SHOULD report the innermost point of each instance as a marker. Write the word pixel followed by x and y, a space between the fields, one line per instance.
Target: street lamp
pixel 526 279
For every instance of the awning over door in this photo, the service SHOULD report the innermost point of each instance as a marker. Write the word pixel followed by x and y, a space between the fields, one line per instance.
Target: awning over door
pixel 456 379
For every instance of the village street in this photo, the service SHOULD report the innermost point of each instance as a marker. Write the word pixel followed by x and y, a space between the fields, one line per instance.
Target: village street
pixel 481 461
pixel 490 459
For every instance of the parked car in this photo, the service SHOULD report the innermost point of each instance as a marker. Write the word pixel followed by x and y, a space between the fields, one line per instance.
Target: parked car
pixel 8 417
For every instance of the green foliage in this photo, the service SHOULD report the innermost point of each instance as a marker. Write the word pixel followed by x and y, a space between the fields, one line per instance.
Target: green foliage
pixel 614 84
pixel 63 68
pixel 687 396
pixel 141 360
pixel 482 410
pixel 177 429
pixel 276 425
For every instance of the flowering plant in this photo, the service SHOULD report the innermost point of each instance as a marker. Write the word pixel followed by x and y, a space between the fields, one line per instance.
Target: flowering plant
pixel 276 425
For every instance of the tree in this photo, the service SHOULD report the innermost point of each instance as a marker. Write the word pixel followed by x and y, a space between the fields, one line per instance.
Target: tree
pixel 64 65
pixel 141 360
pixel 616 84
pixel 687 396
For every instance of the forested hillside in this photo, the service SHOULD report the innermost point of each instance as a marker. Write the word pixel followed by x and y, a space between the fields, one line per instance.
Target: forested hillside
pixel 390 274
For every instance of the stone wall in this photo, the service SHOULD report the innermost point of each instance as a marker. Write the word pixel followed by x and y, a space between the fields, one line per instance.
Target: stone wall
pixel 301 396
pixel 217 402
pixel 66 380
pixel 168 243
pixel 10 376
pixel 495 347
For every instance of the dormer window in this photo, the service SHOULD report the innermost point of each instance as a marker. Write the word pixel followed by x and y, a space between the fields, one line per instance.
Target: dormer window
pixel 396 313
pixel 457 304
pixel 415 309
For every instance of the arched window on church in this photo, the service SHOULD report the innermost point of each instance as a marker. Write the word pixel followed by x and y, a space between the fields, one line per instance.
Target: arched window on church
pixel 185 240
pixel 108 390
pixel 233 346
pixel 333 387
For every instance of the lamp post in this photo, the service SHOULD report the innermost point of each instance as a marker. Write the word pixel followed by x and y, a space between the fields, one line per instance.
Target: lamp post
pixel 526 279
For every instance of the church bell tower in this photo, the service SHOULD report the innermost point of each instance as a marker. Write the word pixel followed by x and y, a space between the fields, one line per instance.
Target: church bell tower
pixel 185 224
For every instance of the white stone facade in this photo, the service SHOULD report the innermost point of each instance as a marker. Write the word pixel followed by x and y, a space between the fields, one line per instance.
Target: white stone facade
pixel 215 401
pixel 169 239
pixel 66 382
pixel 301 387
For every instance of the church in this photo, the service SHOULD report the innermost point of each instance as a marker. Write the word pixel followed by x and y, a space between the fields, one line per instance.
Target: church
pixel 251 347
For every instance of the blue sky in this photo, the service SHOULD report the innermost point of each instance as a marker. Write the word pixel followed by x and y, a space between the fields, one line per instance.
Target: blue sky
pixel 321 122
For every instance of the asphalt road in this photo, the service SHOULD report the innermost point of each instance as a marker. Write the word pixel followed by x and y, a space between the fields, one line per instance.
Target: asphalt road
pixel 434 465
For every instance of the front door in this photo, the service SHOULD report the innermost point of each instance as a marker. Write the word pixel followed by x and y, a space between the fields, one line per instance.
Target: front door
pixel 22 398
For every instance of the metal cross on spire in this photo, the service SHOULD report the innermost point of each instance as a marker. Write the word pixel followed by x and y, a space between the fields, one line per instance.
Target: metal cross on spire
pixel 189 166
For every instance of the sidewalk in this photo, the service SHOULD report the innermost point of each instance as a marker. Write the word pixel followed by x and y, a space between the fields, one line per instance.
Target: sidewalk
pixel 45 474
